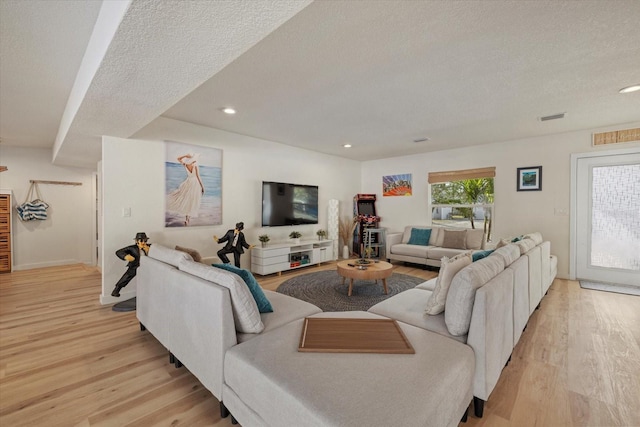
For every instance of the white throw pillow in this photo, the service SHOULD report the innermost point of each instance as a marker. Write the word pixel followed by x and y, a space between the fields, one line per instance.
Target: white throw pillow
pixel 245 310
pixel 168 255
pixel 449 267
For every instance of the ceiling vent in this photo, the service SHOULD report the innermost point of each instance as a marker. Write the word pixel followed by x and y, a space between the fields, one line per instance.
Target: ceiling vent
pixel 552 117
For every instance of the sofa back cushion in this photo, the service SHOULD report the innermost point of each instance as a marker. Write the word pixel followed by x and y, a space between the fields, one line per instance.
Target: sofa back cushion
pixel 245 310
pixel 167 255
pixel 475 239
pixel 536 237
pixel 461 296
pixel 508 253
pixel 525 245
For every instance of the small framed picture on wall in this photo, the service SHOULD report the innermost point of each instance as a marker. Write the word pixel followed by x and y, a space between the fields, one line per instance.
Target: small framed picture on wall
pixel 530 178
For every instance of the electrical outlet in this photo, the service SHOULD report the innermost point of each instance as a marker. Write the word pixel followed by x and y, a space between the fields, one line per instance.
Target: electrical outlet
pixel 126 212
pixel 561 212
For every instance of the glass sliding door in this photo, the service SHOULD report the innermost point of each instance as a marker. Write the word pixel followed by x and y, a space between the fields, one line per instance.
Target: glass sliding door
pixel 608 219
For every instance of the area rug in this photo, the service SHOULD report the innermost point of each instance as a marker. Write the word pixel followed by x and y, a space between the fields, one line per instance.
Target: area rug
pixel 324 289
pixel 608 287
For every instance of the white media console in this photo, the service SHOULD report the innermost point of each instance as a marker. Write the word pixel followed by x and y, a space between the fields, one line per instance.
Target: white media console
pixel 280 257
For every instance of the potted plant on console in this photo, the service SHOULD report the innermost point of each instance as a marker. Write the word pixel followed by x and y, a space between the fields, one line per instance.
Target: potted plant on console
pixel 322 234
pixel 264 239
pixel 295 237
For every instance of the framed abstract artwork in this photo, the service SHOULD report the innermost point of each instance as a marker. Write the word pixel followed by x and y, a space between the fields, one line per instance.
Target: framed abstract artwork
pixel 530 178
pixel 396 185
pixel 193 185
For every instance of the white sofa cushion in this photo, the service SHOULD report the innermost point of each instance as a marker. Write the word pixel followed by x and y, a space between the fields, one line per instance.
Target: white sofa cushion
pixel 525 245
pixel 408 307
pixel 192 252
pixel 462 292
pixel 508 253
pixel 438 253
pixel 449 267
pixel 168 255
pixel 536 237
pixel 286 309
pixel 410 250
pixel 285 387
pixel 475 239
pixel 429 285
pixel 245 310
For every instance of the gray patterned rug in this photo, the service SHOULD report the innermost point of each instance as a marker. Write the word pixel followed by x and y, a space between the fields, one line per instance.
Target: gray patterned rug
pixel 325 290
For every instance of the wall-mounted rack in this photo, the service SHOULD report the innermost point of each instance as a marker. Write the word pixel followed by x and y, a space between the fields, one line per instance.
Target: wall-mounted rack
pixel 38 181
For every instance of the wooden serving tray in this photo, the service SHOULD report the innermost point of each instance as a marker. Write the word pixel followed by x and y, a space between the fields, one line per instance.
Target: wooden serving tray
pixel 334 335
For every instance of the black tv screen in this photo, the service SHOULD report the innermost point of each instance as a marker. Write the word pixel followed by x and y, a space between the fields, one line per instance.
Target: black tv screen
pixel 289 204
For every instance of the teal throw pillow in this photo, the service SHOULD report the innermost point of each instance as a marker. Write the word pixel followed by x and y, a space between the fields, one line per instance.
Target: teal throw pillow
pixel 481 254
pixel 264 306
pixel 420 236
pixel 517 239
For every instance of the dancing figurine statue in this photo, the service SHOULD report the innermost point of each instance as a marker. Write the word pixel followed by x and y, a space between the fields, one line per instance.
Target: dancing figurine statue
pixel 131 254
pixel 235 244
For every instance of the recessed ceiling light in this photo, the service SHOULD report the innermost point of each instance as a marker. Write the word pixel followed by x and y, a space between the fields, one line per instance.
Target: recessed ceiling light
pixel 347 145
pixel 630 89
pixel 228 110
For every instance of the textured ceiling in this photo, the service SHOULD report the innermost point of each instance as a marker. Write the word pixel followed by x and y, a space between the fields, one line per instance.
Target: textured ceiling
pixel 374 74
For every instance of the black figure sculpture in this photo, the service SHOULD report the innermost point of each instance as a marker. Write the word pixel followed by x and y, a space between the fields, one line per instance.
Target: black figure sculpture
pixel 235 244
pixel 132 255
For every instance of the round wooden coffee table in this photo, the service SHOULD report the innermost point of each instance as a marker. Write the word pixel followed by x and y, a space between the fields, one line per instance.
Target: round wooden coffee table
pixel 348 269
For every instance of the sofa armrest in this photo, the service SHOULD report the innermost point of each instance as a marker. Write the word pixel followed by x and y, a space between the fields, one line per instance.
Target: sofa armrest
pixel 393 239
pixel 491 331
pixel 197 326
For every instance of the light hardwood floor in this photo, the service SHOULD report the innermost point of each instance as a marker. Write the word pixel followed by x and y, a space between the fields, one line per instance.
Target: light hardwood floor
pixel 65 360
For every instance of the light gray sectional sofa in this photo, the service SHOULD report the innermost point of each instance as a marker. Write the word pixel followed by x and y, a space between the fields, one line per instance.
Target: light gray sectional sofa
pixel 488 305
pixel 442 242
pixel 208 321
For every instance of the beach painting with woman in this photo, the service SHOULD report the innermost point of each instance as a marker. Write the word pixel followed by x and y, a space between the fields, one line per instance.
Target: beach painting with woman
pixel 193 189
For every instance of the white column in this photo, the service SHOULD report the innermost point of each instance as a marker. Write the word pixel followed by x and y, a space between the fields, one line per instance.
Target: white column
pixel 332 225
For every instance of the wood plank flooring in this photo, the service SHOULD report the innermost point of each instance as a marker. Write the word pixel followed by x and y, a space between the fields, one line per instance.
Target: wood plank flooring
pixel 65 360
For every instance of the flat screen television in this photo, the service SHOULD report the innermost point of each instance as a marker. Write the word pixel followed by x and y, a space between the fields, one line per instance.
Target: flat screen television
pixel 289 204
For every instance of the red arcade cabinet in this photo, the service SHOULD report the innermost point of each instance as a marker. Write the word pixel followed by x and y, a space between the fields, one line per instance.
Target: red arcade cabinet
pixel 364 209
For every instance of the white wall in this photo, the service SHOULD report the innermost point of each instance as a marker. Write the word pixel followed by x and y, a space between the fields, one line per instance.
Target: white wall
pixel 133 177
pixel 516 212
pixel 68 236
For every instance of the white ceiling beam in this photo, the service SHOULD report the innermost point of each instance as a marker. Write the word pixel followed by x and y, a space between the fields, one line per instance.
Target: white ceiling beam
pixel 145 55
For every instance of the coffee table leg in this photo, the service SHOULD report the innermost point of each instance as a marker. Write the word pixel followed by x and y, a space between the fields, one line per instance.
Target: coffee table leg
pixel 384 284
pixel 350 287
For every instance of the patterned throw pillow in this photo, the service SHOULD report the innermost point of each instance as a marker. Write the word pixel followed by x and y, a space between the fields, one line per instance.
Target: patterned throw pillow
pixel 449 267
pixel 420 236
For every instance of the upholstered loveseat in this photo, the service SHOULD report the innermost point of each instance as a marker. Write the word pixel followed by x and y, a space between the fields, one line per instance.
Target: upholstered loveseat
pixel 210 322
pixel 426 245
